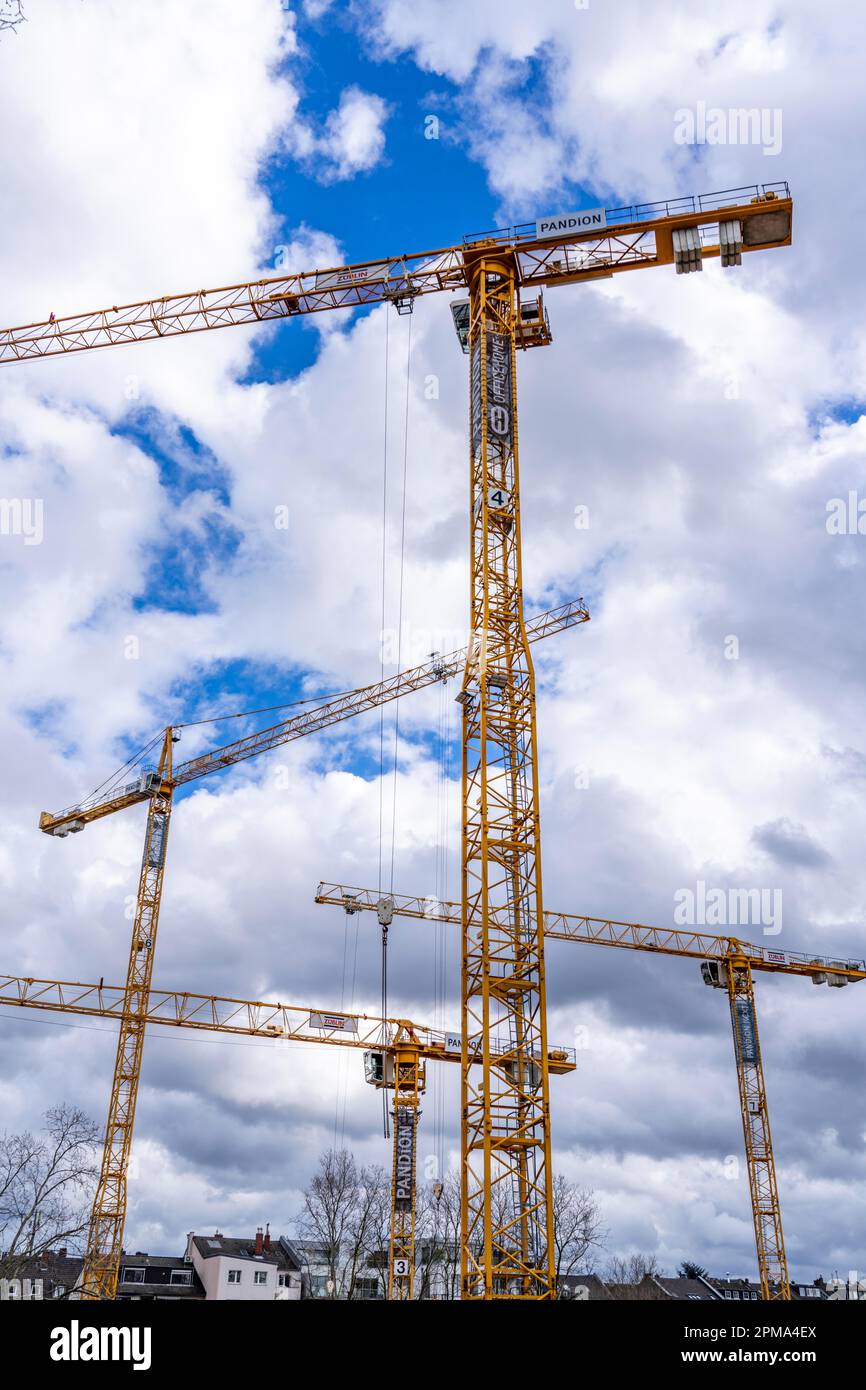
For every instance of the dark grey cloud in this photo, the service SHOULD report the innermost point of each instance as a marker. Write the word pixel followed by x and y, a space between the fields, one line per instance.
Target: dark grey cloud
pixel 790 844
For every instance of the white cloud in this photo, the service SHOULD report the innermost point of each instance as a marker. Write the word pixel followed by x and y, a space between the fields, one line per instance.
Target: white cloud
pixel 351 139
pixel 707 516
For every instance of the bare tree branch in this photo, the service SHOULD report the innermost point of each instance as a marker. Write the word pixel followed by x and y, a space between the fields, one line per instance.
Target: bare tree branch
pixel 369 1231
pixel 11 14
pixel 347 1212
pixel 630 1277
pixel 46 1187
pixel 330 1205
pixel 577 1228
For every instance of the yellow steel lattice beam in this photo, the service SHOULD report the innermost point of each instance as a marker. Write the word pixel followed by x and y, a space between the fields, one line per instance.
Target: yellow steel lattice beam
pixel 309 721
pixel 506 1189
pixel 408 1045
pixel 634 238
pixel 760 1163
pixel 737 960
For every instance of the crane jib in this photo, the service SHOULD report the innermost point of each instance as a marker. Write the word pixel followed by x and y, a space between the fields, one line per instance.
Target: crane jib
pixel 330 711
pixel 554 250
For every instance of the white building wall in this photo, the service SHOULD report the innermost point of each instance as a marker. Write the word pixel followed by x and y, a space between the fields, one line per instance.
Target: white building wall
pixel 213 1271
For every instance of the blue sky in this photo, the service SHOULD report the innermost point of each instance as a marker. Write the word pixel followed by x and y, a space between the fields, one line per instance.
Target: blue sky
pixel 425 193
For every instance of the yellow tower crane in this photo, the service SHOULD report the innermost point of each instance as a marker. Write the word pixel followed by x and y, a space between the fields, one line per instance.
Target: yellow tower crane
pixel 156 788
pixel 505 1162
pixel 727 963
pixel 395 1055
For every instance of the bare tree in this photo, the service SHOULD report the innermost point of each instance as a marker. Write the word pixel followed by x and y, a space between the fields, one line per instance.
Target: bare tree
pixel 577 1231
pixel 437 1238
pixel 347 1212
pixel 577 1227
pixel 11 14
pixel 330 1206
pixel 441 1230
pixel 367 1253
pixel 46 1186
pixel 630 1277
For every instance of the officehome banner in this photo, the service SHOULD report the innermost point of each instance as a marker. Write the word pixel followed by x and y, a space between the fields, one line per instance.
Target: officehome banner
pixel 494 402
pixel 500 399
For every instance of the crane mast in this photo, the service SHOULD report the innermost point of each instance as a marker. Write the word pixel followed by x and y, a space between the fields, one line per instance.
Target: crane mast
pixel 409 1082
pixel 506 1191
pixel 105 1235
pixel 760 1163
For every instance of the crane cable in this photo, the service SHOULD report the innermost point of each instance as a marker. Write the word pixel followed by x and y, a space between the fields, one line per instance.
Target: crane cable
pixel 441 885
pixel 342 1095
pixel 382 613
pixel 402 569
pixel 136 759
pixel 383 966
pixel 400 602
pixel 437 932
pixel 133 760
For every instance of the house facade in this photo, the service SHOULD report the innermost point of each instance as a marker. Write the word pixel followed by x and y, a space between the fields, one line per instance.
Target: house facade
pixel 368 1282
pixel 163 1277
pixel 231 1269
pixel 53 1274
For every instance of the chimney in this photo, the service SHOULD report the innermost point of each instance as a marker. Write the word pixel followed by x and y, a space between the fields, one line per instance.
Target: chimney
pixel 267 1241
pixel 62 1252
pixel 259 1241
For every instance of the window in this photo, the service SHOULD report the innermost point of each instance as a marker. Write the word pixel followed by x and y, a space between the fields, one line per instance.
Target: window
pixel 180 1276
pixel 318 1254
pixel 728 1293
pixel 260 1276
pixel 59 1290
pixel 132 1276
pixel 234 1276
